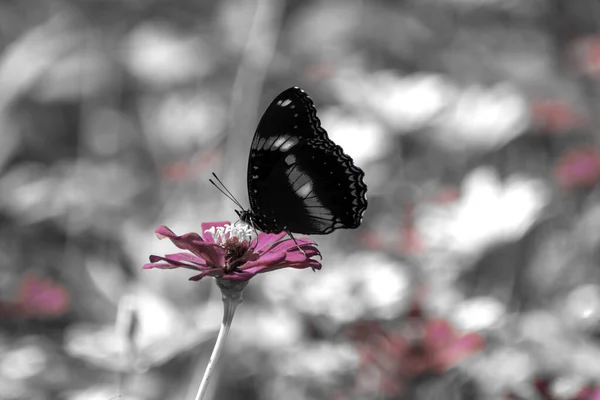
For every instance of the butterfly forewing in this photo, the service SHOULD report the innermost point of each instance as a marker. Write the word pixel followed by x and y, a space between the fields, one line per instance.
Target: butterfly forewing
pixel 298 179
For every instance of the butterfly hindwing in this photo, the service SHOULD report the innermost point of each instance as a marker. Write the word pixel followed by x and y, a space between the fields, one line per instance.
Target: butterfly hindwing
pixel 298 179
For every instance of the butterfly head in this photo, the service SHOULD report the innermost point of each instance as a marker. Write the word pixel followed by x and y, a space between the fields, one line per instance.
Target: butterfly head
pixel 244 216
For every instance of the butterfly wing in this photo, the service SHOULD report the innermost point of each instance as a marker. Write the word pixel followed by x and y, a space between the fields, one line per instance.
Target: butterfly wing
pixel 298 179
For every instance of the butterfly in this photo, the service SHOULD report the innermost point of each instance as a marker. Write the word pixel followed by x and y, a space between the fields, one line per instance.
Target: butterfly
pixel 299 180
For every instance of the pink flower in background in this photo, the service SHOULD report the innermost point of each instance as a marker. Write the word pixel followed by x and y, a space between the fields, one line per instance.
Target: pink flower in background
pixel 37 298
pixel 401 356
pixel 578 168
pixel 556 116
pixel 228 252
pixel 586 54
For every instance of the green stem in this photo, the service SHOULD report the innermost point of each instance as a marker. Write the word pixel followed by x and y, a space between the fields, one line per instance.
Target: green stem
pixel 232 298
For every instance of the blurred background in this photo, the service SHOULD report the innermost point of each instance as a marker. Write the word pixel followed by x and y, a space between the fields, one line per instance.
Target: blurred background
pixel 473 276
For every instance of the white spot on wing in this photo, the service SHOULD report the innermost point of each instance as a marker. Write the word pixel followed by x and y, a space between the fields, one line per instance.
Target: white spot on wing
pixel 305 190
pixel 290 159
pixel 284 143
pixel 284 103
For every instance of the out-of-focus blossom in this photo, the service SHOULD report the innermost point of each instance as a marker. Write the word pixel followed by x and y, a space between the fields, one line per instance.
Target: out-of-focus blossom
pixel 363 285
pixel 189 169
pixel 360 136
pixel 541 327
pixel 567 387
pixel 483 118
pixel 160 56
pixel 432 348
pixel 578 168
pixel 182 121
pixel 443 299
pixel 583 359
pixel 582 307
pixel 318 361
pixel 479 314
pixel 84 72
pixel 404 103
pixel 23 362
pixel 321 31
pixel 503 369
pixel 228 252
pixel 266 329
pixel 586 52
pixel 99 392
pixel 318 367
pixel 36 298
pixel 34 193
pixel 555 116
pixel 145 340
pixel 489 211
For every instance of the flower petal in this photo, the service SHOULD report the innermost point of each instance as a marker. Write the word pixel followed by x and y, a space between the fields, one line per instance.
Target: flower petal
pixel 175 263
pixel 185 258
pixel 297 256
pixel 212 253
pixel 160 266
pixel 265 260
pixel 265 239
pixel 163 232
pixel 238 276
pixel 217 272
pixel 210 272
pixel 189 241
pixel 288 244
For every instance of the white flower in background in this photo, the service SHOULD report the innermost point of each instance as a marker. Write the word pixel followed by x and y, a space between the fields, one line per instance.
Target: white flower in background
pixel 160 56
pixel 567 387
pixel 489 211
pixel 483 118
pixel 541 327
pixel 317 361
pixel 182 121
pixel 503 370
pixel 363 285
pixel 265 328
pixel 479 314
pixel 149 331
pixel 405 103
pixel 23 362
pixel 86 71
pixel 581 308
pixel 583 360
pixel 99 392
pixel 361 137
pixel 442 299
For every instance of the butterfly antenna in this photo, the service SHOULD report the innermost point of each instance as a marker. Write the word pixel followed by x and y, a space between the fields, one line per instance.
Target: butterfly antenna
pixel 223 189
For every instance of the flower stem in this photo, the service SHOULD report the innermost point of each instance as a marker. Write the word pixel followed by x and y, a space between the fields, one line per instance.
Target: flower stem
pixel 232 298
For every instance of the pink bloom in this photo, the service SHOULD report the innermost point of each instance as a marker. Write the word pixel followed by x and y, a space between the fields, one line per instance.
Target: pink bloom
pixel 579 167
pixel 228 252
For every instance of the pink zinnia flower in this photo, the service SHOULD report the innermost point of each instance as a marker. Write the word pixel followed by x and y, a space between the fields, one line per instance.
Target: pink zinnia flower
pixel 228 252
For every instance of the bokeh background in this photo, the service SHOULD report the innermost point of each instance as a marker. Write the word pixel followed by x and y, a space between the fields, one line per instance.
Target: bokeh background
pixel 475 273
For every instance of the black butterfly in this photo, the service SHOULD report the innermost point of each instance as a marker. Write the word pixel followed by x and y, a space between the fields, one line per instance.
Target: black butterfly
pixel 298 179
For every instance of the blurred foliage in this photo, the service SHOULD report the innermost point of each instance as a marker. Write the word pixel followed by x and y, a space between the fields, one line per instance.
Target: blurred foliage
pixel 474 274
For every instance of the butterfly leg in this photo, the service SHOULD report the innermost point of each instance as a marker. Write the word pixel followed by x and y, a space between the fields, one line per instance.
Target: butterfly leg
pixel 294 239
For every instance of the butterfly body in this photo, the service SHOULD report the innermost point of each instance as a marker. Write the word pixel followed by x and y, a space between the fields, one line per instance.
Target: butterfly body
pixel 298 179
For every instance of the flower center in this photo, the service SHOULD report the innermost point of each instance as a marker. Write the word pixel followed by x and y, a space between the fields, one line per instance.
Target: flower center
pixel 235 239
